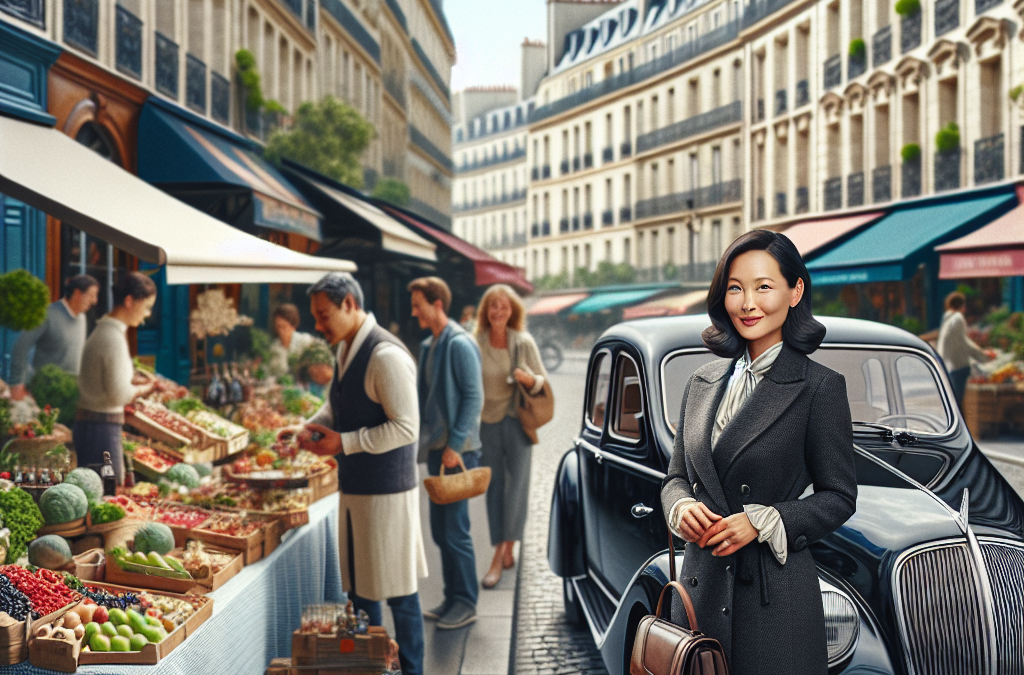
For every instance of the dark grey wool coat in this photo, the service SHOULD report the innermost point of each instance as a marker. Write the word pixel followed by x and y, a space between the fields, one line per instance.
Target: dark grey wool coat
pixel 792 432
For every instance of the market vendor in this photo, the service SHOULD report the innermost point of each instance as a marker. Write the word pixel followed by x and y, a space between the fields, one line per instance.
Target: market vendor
pixel 105 380
pixel 60 338
pixel 370 423
pixel 289 341
pixel 956 348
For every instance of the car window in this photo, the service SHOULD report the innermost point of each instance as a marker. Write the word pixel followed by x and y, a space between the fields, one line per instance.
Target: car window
pixel 922 402
pixel 628 400
pixel 600 380
pixel 676 373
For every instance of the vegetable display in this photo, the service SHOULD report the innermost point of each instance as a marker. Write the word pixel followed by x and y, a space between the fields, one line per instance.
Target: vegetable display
pixel 12 601
pixel 105 512
pixel 45 590
pixel 183 474
pixel 52 386
pixel 63 503
pixel 88 480
pixel 154 537
pixel 22 517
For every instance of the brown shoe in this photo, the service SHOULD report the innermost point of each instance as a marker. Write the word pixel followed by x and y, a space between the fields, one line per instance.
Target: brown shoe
pixel 510 561
pixel 492 578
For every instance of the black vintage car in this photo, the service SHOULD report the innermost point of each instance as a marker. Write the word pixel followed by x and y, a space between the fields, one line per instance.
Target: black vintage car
pixel 927 577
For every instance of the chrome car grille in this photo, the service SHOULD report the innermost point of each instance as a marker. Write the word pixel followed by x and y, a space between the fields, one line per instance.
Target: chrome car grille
pixel 940 612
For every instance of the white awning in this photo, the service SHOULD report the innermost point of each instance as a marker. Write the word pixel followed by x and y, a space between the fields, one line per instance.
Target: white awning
pixel 52 172
pixel 393 235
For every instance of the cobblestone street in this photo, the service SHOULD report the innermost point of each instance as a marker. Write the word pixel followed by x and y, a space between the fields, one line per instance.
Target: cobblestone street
pixel 543 643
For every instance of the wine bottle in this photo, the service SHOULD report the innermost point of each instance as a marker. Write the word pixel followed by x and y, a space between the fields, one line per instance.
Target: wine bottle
pixel 237 395
pixel 129 472
pixel 108 476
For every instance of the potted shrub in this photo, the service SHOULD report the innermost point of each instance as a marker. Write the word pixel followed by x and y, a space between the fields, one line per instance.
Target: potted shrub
pixel 947 139
pixel 23 300
pixel 858 49
pixel 910 153
pixel 907 8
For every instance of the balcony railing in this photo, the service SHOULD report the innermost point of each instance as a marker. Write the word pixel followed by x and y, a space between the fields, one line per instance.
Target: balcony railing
pixel 803 93
pixel 758 9
pixel 353 26
pixel 399 15
pixel 576 164
pixel 493 160
pixel 988 159
pixel 910 32
pixel 759 209
pixel 30 11
pixel 81 24
pixel 128 42
pixel 685 52
pixel 947 16
pixel 220 98
pixel 856 65
pixel 855 189
pixel 710 195
pixel 563 168
pixel 311 15
pixel 608 155
pixel 833 70
pixel 981 6
pixel 195 84
pixel 881 184
pixel 881 47
pixel 834 194
pixel 545 228
pixel 803 200
pixel 712 119
pixel 759 111
pixel 625 214
pixel 575 223
pixel 488 202
pixel 780 204
pixel 780 102
pixel 535 230
pixel 545 171
pixel 910 173
pixel 588 160
pixel 420 140
pixel 947 170
pixel 515 240
pixel 625 149
pixel 588 221
pixel 563 225
pixel 166 66
pixel 607 217
pixel 395 86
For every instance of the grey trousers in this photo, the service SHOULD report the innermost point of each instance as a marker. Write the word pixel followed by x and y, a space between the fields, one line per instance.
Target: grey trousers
pixel 507 451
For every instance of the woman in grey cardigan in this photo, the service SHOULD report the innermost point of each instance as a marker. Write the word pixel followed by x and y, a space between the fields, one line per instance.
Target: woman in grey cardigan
pixel 755 430
pixel 510 359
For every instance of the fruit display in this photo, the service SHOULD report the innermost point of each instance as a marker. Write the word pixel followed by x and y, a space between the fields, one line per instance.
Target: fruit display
pixel 155 460
pixel 259 415
pixel 232 524
pixel 1008 373
pixel 154 537
pixel 13 602
pixel 149 563
pixel 45 590
pixel 270 464
pixel 215 424
pixel 50 551
pixel 63 503
pixel 175 515
pixel 133 509
pixel 148 412
pixel 123 631
pixel 183 474
pixel 94 597
pixel 202 562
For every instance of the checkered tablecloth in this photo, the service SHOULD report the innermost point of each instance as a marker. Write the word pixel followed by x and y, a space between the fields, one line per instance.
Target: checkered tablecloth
pixel 255 613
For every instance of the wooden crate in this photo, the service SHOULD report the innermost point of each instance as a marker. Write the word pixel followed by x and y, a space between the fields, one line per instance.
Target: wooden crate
pixel 324 483
pixel 150 429
pixel 220 578
pixel 367 652
pixel 250 547
pixel 50 654
pixel 153 582
pixel 991 409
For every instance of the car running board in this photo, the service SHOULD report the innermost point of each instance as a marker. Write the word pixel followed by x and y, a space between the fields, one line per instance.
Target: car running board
pixel 598 606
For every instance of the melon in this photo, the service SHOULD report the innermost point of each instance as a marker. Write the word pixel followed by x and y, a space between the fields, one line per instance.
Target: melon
pixel 50 551
pixel 89 481
pixel 183 474
pixel 154 537
pixel 63 503
pixel 203 468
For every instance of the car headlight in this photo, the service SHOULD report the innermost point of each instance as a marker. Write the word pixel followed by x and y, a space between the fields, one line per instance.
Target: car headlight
pixel 842 622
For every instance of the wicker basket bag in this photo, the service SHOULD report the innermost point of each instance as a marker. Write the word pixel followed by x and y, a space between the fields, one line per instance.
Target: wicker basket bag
pixel 454 487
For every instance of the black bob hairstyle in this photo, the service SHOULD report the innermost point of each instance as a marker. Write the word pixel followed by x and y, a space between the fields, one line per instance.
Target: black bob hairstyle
pixel 801 331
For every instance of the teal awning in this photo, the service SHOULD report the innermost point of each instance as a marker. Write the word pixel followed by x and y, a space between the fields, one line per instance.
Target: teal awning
pixel 892 248
pixel 600 302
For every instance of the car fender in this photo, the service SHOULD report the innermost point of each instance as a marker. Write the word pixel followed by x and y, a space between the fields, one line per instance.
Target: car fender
pixel 565 528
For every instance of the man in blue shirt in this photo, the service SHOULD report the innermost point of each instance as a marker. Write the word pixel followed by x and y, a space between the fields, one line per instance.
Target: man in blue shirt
pixel 451 395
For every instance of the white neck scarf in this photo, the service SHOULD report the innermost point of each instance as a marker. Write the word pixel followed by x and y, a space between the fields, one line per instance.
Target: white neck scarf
pixel 741 385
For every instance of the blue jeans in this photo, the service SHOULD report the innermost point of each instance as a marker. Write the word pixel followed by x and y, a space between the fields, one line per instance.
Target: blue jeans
pixel 449 526
pixel 405 610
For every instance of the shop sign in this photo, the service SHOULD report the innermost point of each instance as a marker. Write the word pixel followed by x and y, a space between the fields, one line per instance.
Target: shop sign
pixel 1007 263
pixel 277 215
pixel 857 275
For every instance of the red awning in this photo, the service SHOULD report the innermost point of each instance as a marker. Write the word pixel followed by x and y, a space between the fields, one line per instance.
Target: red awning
pixel 672 305
pixel 811 235
pixel 553 304
pixel 996 250
pixel 489 270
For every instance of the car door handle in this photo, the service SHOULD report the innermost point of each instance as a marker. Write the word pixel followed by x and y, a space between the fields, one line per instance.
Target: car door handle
pixel 599 458
pixel 641 510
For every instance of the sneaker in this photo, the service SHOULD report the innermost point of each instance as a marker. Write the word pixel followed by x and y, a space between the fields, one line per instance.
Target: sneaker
pixel 437 612
pixel 461 614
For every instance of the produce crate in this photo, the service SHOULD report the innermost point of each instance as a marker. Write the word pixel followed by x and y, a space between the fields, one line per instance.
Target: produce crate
pixel 272 533
pixel 321 483
pixel 151 429
pixel 53 654
pixel 250 547
pixel 219 578
pixel 13 640
pixel 89 566
pixel 181 534
pixel 236 441
pixel 324 483
pixel 153 582
pixel 991 409
pixel 357 653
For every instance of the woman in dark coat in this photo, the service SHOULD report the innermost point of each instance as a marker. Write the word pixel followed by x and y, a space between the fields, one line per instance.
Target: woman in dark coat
pixel 756 429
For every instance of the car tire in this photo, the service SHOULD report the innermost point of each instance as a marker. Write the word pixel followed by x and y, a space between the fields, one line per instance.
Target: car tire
pixel 573 604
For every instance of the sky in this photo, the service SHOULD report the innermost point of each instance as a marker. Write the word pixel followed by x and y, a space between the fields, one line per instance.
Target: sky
pixel 488 34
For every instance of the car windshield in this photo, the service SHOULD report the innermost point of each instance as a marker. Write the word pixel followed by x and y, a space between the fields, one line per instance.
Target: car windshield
pixel 896 388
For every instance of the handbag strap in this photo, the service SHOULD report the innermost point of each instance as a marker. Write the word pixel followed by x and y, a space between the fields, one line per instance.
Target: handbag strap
pixel 691 614
pixel 461 463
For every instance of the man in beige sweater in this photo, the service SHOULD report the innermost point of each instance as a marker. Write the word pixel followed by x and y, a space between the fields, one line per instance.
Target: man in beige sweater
pixel 955 348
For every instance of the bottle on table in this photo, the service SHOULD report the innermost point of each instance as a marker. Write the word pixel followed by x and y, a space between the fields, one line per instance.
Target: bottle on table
pixel 30 477
pixel 19 477
pixel 44 476
pixel 129 472
pixel 108 476
pixel 237 393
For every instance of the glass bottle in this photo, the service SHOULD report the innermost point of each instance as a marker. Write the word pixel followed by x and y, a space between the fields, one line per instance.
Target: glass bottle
pixel 44 475
pixel 108 476
pixel 213 392
pixel 237 394
pixel 30 477
pixel 19 477
pixel 129 472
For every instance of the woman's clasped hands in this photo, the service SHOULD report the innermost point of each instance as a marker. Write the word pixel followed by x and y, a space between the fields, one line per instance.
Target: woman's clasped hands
pixel 700 525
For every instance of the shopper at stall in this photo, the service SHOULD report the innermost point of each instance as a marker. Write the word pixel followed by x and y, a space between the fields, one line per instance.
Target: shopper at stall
pixel 369 423
pixel 955 348
pixel 289 341
pixel 451 400
pixel 510 359
pixel 468 320
pixel 105 380
pixel 60 338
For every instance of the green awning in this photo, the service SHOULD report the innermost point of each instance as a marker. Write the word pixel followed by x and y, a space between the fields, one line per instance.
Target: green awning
pixel 600 302
pixel 894 247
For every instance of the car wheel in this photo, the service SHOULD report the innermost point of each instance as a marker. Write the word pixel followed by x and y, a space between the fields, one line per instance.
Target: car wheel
pixel 573 606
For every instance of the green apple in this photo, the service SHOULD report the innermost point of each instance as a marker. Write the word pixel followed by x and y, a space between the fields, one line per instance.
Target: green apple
pixel 99 643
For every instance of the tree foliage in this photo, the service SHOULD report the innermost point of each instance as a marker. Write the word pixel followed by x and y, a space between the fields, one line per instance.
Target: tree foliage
pixel 328 137
pixel 23 300
pixel 606 274
pixel 392 190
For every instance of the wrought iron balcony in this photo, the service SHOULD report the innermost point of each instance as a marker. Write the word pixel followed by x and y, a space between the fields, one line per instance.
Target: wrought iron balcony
pixel 166 66
pixel 576 163
pixel 625 214
pixel 834 193
pixel 563 225
pixel 420 140
pixel 588 221
pixel 607 217
pixel 780 102
pixel 947 170
pixel 311 15
pixel 395 86
pixel 947 16
pixel 910 172
pixel 759 209
pixel 195 84
pixel 564 167
pixel 698 124
pixel 535 173
pixel 803 200
pixel 354 27
pixel 759 111
pixel 493 160
pixel 29 11
pixel 833 70
pixel 881 47
pixel 855 189
pixel 81 24
pixel 545 171
pixel 608 155
pixel 988 159
pixel 856 65
pixel 780 204
pixel 575 223
pixel 588 160
pixel 710 195
pixel 910 32
pixel 545 228
pixel 981 6
pixel 803 93
pixel 220 98
pixel 759 9
pixel 625 149
pixel 128 42
pixel 535 230
pixel 881 184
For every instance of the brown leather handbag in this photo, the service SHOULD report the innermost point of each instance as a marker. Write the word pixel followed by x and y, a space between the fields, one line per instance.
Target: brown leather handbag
pixel 534 410
pixel 663 648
